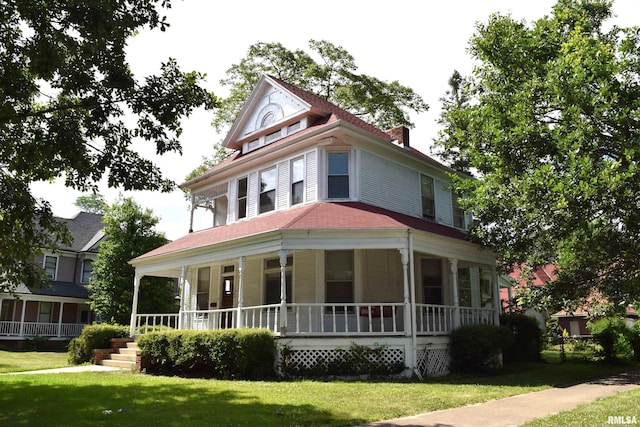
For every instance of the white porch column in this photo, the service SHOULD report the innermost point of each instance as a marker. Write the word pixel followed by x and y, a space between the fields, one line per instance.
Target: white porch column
pixel 60 319
pixel 24 308
pixel 404 257
pixel 453 264
pixel 134 305
pixel 283 291
pixel 412 359
pixel 183 293
pixel 239 318
pixel 496 296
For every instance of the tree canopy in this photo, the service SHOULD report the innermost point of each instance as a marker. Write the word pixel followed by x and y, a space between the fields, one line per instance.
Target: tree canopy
pixel 551 127
pixel 65 90
pixel 129 232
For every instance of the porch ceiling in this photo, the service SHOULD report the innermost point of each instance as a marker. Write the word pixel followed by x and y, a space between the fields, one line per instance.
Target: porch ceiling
pixel 316 216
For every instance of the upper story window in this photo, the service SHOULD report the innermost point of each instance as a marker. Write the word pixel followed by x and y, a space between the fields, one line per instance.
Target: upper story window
pixel 87 268
pixel 268 190
pixel 458 212
pixel 338 176
pixel 297 181
pixel 51 266
pixel 242 198
pixel 428 197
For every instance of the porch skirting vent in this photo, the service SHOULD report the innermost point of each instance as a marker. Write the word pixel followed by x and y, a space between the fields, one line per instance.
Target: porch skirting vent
pixel 433 361
pixel 309 359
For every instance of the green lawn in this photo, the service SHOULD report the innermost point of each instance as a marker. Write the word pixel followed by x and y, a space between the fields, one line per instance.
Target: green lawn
pixel 625 405
pixel 135 399
pixel 18 361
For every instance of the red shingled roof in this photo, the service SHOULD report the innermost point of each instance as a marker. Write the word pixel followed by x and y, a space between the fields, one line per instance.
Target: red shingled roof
pixel 316 216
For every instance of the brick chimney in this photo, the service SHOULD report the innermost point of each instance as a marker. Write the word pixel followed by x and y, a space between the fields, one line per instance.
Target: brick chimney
pixel 400 135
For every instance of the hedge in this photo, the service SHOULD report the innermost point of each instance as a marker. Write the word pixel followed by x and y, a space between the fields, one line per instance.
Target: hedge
pixel 477 348
pixel 225 354
pixel 80 349
pixel 527 338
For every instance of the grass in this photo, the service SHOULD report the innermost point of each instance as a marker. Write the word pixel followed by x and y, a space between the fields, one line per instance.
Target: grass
pixel 597 413
pixel 19 361
pixel 81 399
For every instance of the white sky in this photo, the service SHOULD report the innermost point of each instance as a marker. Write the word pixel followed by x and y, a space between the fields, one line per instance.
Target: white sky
pixel 418 43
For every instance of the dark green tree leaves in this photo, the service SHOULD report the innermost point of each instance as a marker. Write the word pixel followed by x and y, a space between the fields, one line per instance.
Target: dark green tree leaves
pixel 70 107
pixel 551 126
pixel 130 232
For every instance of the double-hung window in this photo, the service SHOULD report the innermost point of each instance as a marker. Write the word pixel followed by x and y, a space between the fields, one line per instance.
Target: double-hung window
pixel 428 197
pixel 338 175
pixel 51 266
pixel 242 198
pixel 458 212
pixel 204 283
pixel 297 181
pixel 87 268
pixel 268 190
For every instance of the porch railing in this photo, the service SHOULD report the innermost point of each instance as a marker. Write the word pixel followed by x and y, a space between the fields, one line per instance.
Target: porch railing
pixel 41 329
pixel 320 319
pixel 434 319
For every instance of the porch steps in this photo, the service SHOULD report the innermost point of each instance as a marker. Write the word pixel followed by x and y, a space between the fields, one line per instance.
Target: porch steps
pixel 124 358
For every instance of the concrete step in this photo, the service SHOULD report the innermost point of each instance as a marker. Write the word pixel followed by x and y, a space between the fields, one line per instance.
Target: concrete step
pixel 129 351
pixel 119 364
pixel 126 357
pixel 132 344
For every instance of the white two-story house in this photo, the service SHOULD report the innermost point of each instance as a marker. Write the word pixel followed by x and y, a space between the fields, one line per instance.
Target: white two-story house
pixel 328 231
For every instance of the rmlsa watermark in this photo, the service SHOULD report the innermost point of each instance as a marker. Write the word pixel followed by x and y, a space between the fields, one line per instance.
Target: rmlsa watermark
pixel 622 420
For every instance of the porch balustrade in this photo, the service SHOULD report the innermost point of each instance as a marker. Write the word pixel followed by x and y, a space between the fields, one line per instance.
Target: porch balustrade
pixel 320 319
pixel 40 329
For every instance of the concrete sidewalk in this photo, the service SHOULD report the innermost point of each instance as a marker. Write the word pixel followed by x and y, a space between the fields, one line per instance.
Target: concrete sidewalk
pixel 515 410
pixel 82 368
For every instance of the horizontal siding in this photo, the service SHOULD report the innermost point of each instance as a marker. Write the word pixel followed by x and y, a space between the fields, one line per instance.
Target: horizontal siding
pixel 383 277
pixel 304 284
pixel 389 185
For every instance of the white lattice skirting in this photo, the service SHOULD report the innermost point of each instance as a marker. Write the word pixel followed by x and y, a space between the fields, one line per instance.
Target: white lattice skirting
pixel 433 361
pixel 309 358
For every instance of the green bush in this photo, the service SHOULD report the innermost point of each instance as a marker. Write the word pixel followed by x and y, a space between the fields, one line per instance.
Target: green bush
pixel 634 339
pixel 611 334
pixel 477 348
pixel 527 338
pixel 80 349
pixel 228 353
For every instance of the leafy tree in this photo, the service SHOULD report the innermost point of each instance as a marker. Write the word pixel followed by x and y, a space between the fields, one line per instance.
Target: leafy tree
pixel 65 88
pixel 93 203
pixel 130 232
pixel 552 127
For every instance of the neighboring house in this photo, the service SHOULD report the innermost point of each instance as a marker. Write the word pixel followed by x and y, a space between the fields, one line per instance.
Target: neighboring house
pixel 328 231
pixel 60 310
pixel 574 322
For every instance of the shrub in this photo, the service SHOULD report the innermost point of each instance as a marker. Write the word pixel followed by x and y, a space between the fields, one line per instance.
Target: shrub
pixel 477 348
pixel 527 338
pixel 80 349
pixel 634 339
pixel 611 334
pixel 229 353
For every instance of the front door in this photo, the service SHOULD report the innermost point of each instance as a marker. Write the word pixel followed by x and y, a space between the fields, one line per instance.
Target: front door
pixel 227 299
